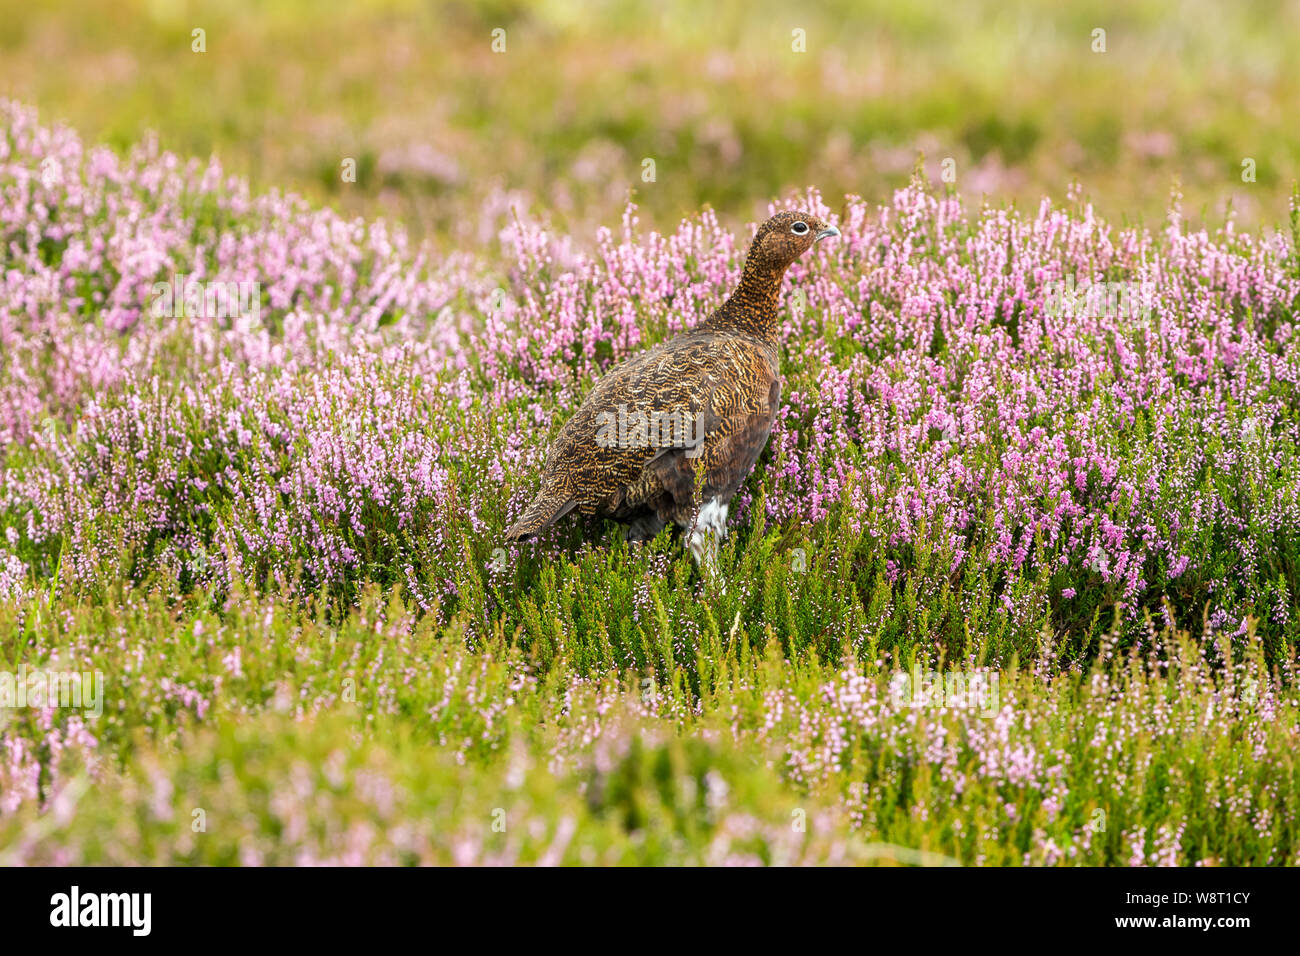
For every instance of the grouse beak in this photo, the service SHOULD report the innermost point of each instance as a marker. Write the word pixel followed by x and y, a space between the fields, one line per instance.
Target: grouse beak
pixel 826 233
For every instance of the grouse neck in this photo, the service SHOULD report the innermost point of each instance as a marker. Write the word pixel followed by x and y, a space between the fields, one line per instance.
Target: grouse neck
pixel 752 308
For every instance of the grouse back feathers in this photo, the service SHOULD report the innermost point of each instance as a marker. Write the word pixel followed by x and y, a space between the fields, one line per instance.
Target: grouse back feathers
pixel 670 434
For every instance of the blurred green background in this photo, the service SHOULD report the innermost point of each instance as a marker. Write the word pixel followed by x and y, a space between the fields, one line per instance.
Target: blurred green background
pixel 441 127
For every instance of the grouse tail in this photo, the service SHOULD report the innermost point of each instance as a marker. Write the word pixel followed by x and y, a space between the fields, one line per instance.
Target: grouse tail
pixel 547 508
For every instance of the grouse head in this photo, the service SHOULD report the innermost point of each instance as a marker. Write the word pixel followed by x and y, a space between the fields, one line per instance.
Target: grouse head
pixel 751 308
pixel 783 239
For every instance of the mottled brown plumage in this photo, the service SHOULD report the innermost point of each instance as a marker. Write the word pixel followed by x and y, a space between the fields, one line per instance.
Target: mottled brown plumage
pixel 706 400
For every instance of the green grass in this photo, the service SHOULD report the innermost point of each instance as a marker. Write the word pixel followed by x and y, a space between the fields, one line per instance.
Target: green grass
pixel 716 96
pixel 385 739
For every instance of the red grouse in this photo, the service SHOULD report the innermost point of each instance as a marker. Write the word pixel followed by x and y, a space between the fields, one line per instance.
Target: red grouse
pixel 670 434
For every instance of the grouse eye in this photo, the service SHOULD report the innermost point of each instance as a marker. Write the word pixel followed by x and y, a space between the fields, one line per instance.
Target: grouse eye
pixel 799 228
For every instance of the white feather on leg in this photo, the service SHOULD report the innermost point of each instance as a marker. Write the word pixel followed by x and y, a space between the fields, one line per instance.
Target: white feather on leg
pixel 708 529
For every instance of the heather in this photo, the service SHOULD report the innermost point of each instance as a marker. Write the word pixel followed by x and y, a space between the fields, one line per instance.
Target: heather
pixel 277 534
